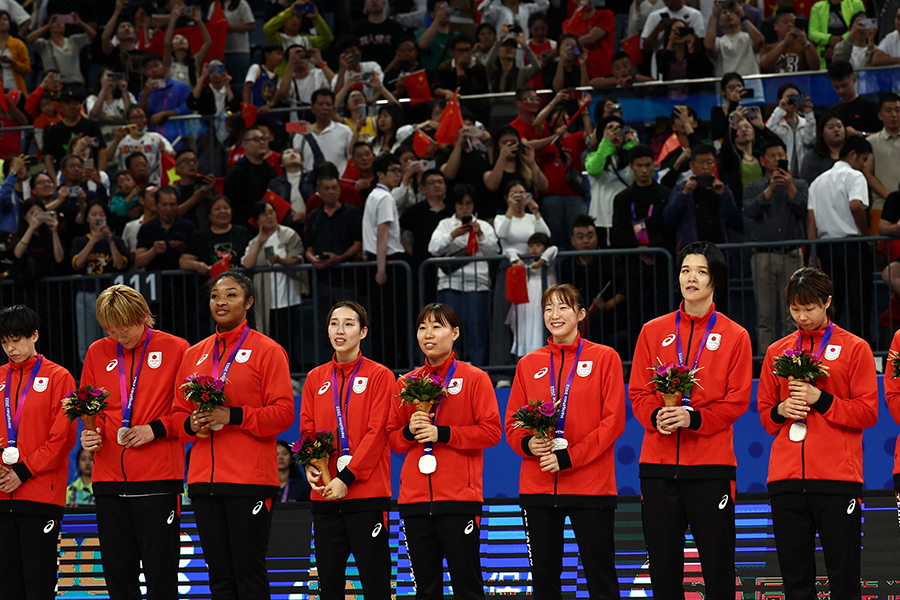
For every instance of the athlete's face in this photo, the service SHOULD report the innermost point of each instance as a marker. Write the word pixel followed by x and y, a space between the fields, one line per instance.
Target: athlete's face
pixel 229 304
pixel 20 349
pixel 810 316
pixel 561 319
pixel 436 340
pixel 127 336
pixel 694 279
pixel 344 330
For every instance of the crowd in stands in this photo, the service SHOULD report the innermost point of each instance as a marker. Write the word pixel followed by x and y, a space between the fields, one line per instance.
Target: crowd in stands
pixel 331 125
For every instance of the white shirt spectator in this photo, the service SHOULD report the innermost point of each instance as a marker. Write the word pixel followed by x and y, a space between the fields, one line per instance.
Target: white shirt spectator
pixel 302 88
pixel 18 14
pixel 734 54
pixel 367 66
pixel 798 140
pixel 151 144
pixel 380 208
pixel 638 13
pixel 236 41
pixel 66 60
pixel 890 45
pixel 691 16
pixel 334 141
pixel 130 233
pixel 514 233
pixel 473 277
pixel 498 13
pixel 829 199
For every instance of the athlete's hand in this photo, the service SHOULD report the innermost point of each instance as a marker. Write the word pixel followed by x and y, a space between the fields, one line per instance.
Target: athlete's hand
pixel 673 417
pixel 805 392
pixel 337 488
pixel 792 408
pixel 9 482
pixel 90 440
pixel 312 477
pixel 138 435
pixel 418 420
pixel 550 463
pixel 540 447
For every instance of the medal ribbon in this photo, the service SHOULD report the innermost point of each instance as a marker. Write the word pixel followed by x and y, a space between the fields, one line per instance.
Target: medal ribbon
pixel 429 446
pixel 563 406
pixel 129 405
pixel 234 352
pixel 686 397
pixel 341 411
pixel 826 337
pixel 12 425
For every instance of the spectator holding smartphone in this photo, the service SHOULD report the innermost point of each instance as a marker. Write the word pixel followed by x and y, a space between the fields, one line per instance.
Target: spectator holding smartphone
pixel 859 45
pixel 794 122
pixel 163 240
pixel 351 66
pixel 661 19
pixel 38 249
pixel 57 136
pixel 134 137
pixel 594 28
pixel 179 61
pixel 829 23
pixel 433 40
pixel 570 70
pixel 163 97
pixel 683 57
pixel 285 27
pixel 735 51
pixel 109 102
pixel 59 51
pixel 793 51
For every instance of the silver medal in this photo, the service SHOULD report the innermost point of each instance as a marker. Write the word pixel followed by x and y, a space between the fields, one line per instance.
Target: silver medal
pixel 216 427
pixel 343 461
pixel 427 464
pixel 797 432
pixel 560 444
pixel 120 435
pixel 10 456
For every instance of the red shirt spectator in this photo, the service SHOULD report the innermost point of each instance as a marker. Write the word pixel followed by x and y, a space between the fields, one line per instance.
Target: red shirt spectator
pixel 594 29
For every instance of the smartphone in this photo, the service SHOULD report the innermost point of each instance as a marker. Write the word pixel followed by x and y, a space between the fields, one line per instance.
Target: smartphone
pixel 423 165
pixel 269 250
pixel 73 192
pixel 89 163
pixel 448 10
pixel 354 59
pixel 217 68
pixel 752 112
pixel 730 5
pixel 705 181
pixel 471 131
pixel 366 77
pixel 160 83
pixel 573 95
pixel 466 220
pixel 663 16
pixel 132 128
pixel 747 93
pixel 116 76
pixel 869 23
pixel 685 31
pixel 70 20
pixel 305 8
pixel 46 215
pixel 576 51
pixel 101 222
pixel 783 165
pixel 515 29
pixel 796 99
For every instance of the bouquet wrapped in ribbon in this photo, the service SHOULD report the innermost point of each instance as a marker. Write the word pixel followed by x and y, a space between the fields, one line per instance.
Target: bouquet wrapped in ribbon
pixel 894 362
pixel 314 450
pixel 672 381
pixel 538 417
pixel 207 392
pixel 422 391
pixel 85 403
pixel 800 365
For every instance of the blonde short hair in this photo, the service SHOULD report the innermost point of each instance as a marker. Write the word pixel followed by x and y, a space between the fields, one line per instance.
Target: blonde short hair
pixel 122 306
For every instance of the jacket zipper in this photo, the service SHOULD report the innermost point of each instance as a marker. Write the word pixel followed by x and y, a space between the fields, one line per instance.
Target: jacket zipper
pixel 559 396
pixel 430 488
pixel 212 436
pixel 343 414
pixel 124 400
pixel 18 391
pixel 803 443
pixel 687 357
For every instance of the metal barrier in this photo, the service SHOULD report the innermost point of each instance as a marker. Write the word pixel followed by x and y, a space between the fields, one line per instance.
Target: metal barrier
pixel 179 302
pixel 757 276
pixel 623 289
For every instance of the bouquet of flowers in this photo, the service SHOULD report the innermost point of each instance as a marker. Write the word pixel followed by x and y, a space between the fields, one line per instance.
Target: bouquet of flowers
pixel 422 391
pixel 314 449
pixel 538 417
pixel 85 402
pixel 894 361
pixel 799 364
pixel 207 392
pixel 672 381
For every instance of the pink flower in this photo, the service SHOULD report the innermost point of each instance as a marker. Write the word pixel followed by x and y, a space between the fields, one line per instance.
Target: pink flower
pixel 436 380
pixel 663 370
pixel 96 392
pixel 296 446
pixel 218 384
pixel 790 352
pixel 412 377
pixel 547 409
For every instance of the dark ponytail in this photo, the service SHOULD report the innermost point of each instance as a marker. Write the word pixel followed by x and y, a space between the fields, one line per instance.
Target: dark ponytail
pixel 244 283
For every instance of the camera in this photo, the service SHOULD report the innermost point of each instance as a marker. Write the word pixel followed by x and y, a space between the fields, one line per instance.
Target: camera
pixel 466 220
pixel 685 31
pixel 796 99
pixel 783 164
pixel 705 181
pixel 515 29
pixel 730 5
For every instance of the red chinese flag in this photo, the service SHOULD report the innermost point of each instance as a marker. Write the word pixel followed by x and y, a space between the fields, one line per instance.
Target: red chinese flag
pixel 517 285
pixel 168 176
pixel 417 88
pixel 421 144
pixel 217 27
pixel 282 207
pixel 632 46
pixel 451 122
pixel 220 267
pixel 472 244
pixel 248 111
